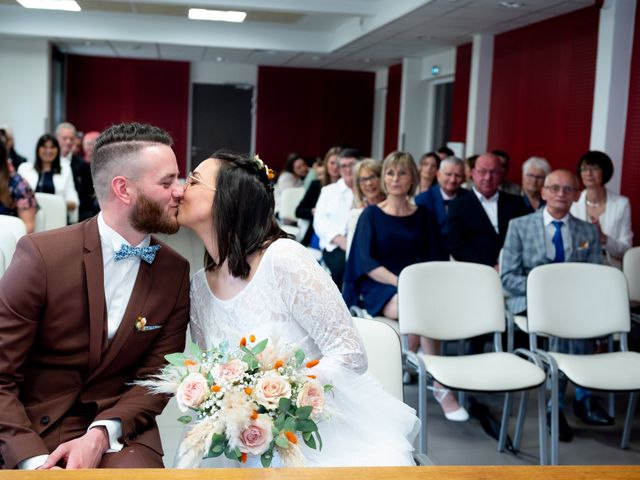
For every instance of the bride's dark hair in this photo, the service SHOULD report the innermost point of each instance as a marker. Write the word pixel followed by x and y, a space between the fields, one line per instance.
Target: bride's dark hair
pixel 244 220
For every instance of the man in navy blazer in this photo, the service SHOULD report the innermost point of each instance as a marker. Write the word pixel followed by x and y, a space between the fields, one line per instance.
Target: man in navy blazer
pixel 478 222
pixel 534 240
pixel 438 198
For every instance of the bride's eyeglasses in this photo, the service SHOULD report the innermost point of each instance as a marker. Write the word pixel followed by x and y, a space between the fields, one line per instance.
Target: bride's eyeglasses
pixel 191 180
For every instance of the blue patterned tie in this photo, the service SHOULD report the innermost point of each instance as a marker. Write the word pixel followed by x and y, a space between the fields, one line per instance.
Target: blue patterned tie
pixel 557 241
pixel 148 254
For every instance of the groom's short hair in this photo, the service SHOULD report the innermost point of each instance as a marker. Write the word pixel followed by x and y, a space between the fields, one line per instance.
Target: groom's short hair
pixel 116 149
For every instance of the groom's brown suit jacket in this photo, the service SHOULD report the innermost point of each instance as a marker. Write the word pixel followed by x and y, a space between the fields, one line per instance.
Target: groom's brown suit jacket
pixel 55 359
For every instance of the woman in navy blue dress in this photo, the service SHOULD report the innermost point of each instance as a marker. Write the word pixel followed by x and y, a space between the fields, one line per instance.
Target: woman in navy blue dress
pixel 390 236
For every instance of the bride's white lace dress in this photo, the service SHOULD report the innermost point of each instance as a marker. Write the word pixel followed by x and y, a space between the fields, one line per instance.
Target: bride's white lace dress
pixel 291 300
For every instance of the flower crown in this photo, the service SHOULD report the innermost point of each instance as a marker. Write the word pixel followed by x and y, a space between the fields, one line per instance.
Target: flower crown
pixel 263 166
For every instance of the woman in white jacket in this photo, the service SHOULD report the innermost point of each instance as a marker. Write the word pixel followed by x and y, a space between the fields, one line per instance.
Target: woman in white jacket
pixel 47 175
pixel 608 211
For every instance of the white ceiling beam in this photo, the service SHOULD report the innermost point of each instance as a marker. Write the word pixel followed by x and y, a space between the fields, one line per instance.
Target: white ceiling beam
pixel 340 7
pixel 156 29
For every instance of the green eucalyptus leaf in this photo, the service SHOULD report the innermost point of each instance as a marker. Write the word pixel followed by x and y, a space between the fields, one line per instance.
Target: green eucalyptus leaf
pixel 284 405
pixel 282 442
pixel 309 441
pixel 290 424
pixel 186 419
pixel 306 426
pixel 327 388
pixel 304 412
pixel 194 350
pixel 299 355
pixel 319 440
pixel 259 347
pixel 176 359
pixel 266 458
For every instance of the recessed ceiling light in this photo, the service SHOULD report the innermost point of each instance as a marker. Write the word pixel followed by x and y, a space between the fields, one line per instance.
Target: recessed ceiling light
pixel 511 4
pixel 316 58
pixel 219 59
pixel 217 15
pixel 67 5
pixel 366 60
pixel 88 43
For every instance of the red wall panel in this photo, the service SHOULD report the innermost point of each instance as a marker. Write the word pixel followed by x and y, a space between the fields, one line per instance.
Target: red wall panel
pixel 631 159
pixel 460 103
pixel 542 90
pixel 309 110
pixel 392 110
pixel 103 91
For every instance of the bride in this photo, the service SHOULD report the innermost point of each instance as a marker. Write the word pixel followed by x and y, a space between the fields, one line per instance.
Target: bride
pixel 258 281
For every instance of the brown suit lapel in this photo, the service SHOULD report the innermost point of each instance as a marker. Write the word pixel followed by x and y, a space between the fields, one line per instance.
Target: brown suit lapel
pixel 94 272
pixel 135 307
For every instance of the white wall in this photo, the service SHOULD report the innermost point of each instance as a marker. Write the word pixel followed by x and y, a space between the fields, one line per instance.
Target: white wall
pixel 417 99
pixel 379 114
pixel 223 73
pixel 24 83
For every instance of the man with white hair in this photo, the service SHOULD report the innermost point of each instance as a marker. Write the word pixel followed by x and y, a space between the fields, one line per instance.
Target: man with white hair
pixel 436 199
pixel 534 171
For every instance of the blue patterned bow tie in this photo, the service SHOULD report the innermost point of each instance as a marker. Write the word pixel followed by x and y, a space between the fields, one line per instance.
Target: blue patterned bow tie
pixel 148 254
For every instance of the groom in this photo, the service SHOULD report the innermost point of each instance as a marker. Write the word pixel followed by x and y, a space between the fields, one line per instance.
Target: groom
pixel 88 309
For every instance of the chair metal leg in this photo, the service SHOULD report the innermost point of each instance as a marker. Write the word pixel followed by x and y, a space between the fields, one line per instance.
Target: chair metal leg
pixel 542 425
pixel 418 364
pixel 631 408
pixel 554 414
pixel 522 410
pixel 504 426
pixel 461 395
pixel 611 404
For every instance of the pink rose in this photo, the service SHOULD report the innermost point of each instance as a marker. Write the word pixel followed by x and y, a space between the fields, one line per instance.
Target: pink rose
pixel 270 389
pixel 229 372
pixel 192 391
pixel 311 395
pixel 256 438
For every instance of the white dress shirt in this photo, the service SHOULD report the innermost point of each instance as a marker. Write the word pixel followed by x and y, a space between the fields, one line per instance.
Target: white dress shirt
pixel 119 279
pixel 490 206
pixel 332 213
pixel 550 230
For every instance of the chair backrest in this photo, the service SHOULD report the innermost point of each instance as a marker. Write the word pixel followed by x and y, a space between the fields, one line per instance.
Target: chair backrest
pixel 289 200
pixel 7 247
pixel 384 354
pixel 187 244
pixel 450 300
pixel 631 269
pixel 13 225
pixel 52 212
pixel 577 300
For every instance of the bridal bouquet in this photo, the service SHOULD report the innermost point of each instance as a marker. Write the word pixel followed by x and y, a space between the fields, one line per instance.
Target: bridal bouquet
pixel 247 400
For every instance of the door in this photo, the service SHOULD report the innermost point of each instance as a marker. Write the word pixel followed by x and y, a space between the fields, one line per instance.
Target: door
pixel 221 119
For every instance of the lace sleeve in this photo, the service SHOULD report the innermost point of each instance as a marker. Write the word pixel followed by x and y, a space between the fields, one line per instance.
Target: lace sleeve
pixel 316 304
pixel 196 316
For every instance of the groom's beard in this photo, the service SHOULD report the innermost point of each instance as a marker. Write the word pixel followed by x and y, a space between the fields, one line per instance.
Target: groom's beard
pixel 149 216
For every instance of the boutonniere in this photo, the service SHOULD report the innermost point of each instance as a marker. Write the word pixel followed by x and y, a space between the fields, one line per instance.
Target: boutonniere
pixel 141 325
pixel 583 245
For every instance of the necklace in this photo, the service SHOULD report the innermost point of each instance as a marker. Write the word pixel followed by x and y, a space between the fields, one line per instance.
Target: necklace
pixel 593 204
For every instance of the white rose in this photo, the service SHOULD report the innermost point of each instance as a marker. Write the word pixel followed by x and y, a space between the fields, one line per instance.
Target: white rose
pixel 311 395
pixel 229 372
pixel 192 391
pixel 270 389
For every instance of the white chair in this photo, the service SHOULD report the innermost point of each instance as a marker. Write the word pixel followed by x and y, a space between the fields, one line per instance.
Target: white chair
pixel 7 247
pixel 631 270
pixel 13 225
pixel 428 306
pixel 290 198
pixel 187 244
pixel 384 354
pixel 583 301
pixel 52 212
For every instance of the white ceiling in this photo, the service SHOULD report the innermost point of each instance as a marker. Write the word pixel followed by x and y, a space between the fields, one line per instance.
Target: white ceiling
pixel 339 34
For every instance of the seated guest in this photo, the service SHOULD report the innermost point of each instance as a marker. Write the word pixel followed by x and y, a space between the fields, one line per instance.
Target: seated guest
pixel 552 235
pixel 468 168
pixel 506 185
pixel 295 169
pixel 608 211
pixel 47 175
pixel 330 173
pixel 478 222
pixel 390 236
pixel 332 214
pixel 444 152
pixel 366 191
pixel 15 159
pixel 16 197
pixel 66 135
pixel 88 202
pixel 534 171
pixel 437 198
pixel 428 166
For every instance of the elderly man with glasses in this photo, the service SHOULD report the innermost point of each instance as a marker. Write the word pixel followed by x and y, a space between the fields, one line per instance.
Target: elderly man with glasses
pixel 553 235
